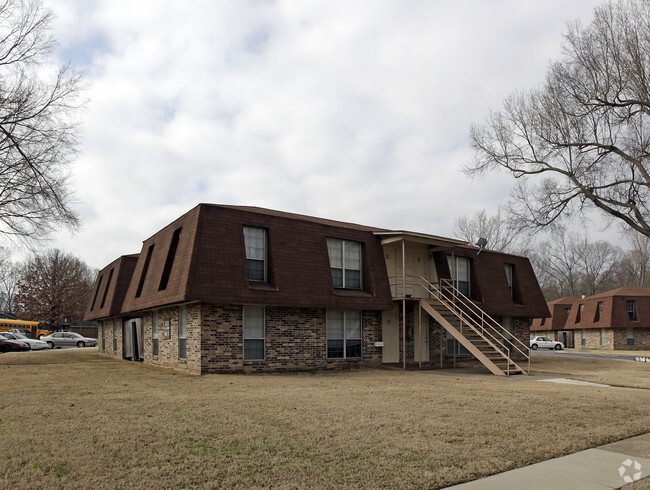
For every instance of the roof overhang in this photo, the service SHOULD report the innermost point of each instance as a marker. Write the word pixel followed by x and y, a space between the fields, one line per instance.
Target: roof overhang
pixel 388 237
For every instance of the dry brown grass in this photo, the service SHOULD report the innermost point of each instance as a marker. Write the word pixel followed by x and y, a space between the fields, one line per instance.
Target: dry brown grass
pixel 76 419
pixel 609 371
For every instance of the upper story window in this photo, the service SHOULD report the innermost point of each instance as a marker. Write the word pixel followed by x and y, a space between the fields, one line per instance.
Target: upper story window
pixel 509 268
pixel 579 314
pixel 599 311
pixel 460 271
pixel 631 309
pixel 345 263
pixel 255 243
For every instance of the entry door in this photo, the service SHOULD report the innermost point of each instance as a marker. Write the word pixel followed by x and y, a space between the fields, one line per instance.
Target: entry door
pixel 390 335
pixel 424 340
pixel 132 335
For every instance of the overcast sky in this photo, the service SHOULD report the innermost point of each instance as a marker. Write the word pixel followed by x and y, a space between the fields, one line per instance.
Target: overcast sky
pixel 351 110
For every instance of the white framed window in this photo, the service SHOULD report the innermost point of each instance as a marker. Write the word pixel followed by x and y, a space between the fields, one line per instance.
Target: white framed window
pixel 599 311
pixel 630 336
pixel 115 335
pixel 460 270
pixel 583 338
pixel 579 314
pixel 509 268
pixel 345 263
pixel 343 334
pixel 255 244
pixel 631 309
pixel 603 337
pixel 254 333
pixel 450 342
pixel 182 332
pixel 154 334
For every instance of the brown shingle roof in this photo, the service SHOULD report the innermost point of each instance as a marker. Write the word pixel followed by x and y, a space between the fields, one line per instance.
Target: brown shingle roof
pixel 210 262
pixel 110 288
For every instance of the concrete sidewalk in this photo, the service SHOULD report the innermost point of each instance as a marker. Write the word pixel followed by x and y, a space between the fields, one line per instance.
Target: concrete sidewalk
pixel 609 466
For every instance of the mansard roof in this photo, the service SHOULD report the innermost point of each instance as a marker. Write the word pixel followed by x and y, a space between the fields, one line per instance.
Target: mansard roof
pixel 110 288
pixel 201 257
pixel 489 284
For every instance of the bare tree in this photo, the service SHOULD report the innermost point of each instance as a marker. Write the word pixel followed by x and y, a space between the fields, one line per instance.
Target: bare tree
pixel 634 264
pixel 569 264
pixel 494 228
pixel 55 288
pixel 558 260
pixel 38 131
pixel 598 260
pixel 580 140
pixel 10 274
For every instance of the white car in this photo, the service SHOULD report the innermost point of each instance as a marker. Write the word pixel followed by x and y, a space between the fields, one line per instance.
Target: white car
pixel 33 344
pixel 545 343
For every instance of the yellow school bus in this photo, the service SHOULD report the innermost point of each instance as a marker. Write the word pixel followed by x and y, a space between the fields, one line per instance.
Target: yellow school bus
pixel 35 330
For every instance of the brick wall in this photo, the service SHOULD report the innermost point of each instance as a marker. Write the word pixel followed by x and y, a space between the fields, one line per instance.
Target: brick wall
pixel 168 351
pixel 108 336
pixel 295 340
pixel 641 339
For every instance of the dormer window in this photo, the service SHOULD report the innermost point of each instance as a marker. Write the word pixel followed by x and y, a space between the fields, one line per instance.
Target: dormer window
pixel 345 263
pixel 255 243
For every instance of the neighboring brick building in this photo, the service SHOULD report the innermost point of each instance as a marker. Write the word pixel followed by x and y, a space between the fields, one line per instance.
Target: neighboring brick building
pixel 245 289
pixel 617 319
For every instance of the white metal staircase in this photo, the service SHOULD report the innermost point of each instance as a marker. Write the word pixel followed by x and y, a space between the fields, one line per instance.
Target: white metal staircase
pixel 479 333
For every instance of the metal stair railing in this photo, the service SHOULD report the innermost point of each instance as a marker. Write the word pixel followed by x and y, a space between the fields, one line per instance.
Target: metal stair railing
pixel 480 322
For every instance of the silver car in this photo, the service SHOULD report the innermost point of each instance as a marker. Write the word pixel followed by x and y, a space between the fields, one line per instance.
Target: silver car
pixel 545 343
pixel 33 344
pixel 68 339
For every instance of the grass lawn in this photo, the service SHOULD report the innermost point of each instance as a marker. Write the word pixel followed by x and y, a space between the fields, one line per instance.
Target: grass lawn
pixel 76 419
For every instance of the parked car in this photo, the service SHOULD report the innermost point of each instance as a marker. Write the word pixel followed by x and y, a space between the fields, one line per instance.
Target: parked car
pixel 545 343
pixel 7 345
pixel 33 344
pixel 68 339
pixel 21 331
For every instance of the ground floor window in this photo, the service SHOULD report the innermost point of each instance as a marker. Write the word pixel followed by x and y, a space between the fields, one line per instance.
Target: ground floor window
pixel 343 334
pixel 254 334
pixel 182 332
pixel 115 336
pixel 630 336
pixel 460 348
pixel 101 324
pixel 602 337
pixel 583 338
pixel 154 334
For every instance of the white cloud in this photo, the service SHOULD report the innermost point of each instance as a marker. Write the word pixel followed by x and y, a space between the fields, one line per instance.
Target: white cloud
pixel 356 111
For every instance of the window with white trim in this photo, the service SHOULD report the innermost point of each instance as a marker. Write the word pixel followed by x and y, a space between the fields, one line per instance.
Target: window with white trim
pixel 460 270
pixel 182 332
pixel 154 334
pixel 603 337
pixel 345 263
pixel 631 309
pixel 114 335
pixel 343 334
pixel 254 333
pixel 599 311
pixel 630 336
pixel 255 243
pixel 509 268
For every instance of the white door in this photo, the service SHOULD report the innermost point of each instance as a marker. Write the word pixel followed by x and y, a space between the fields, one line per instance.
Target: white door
pixel 390 335
pixel 421 336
